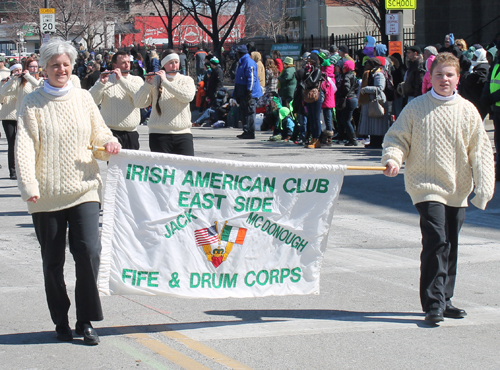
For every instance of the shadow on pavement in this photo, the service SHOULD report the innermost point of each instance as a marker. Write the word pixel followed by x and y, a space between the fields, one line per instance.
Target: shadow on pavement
pixel 14 213
pixel 246 316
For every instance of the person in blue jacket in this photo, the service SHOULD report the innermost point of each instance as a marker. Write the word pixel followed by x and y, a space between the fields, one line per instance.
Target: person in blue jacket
pixel 246 91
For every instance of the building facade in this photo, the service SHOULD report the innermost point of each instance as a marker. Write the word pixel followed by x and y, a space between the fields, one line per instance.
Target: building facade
pixel 478 21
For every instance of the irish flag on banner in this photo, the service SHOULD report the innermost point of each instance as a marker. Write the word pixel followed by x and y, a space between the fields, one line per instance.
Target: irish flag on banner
pixel 233 234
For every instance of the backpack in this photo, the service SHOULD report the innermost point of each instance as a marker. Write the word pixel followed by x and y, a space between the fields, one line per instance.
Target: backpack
pixel 311 95
pixel 390 89
pixel 311 92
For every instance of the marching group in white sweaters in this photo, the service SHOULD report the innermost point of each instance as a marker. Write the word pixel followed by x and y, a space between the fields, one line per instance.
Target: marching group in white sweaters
pixel 439 136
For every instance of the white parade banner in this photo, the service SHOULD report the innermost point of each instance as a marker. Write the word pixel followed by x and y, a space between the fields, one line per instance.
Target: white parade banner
pixel 205 228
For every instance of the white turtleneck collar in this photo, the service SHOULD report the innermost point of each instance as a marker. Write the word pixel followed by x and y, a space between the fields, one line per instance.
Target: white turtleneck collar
pixel 57 91
pixel 444 98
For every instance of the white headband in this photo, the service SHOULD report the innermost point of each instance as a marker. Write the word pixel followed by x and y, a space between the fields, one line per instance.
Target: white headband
pixel 168 58
pixel 15 66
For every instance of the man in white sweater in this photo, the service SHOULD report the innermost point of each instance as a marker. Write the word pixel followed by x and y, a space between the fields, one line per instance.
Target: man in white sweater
pixel 441 138
pixel 115 93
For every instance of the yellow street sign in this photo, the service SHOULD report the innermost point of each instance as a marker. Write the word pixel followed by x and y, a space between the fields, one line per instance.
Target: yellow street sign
pixel 47 11
pixel 400 4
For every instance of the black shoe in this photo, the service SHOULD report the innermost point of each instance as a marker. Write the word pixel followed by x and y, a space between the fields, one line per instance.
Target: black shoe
pixel 13 177
pixel 454 312
pixel 63 333
pixel 246 135
pixel 89 334
pixel 434 315
pixel 351 143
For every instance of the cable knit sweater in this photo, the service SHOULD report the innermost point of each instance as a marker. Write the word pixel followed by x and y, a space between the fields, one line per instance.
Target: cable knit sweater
pixel 52 158
pixel 446 150
pixel 8 107
pixel 13 87
pixel 174 102
pixel 117 101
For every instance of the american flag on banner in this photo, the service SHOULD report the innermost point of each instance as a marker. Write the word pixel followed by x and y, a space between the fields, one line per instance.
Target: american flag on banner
pixel 206 236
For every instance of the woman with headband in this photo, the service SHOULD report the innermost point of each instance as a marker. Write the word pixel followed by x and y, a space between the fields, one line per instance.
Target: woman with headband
pixel 170 93
pixel 9 121
pixel 19 87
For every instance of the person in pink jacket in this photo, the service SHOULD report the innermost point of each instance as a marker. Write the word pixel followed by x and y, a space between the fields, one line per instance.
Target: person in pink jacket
pixel 426 83
pixel 329 88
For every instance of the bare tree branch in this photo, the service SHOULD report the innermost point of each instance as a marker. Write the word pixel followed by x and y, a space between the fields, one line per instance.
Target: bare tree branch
pixel 374 10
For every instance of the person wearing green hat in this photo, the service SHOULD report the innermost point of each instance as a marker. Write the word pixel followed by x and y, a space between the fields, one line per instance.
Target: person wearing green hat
pixel 285 125
pixel 215 81
pixel 287 81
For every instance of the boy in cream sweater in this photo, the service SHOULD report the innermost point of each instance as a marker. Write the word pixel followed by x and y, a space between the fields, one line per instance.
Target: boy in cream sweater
pixel 441 138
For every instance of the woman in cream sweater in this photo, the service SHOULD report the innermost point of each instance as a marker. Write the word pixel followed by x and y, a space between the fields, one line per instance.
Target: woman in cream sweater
pixel 8 115
pixel 170 93
pixel 59 178
pixel 27 82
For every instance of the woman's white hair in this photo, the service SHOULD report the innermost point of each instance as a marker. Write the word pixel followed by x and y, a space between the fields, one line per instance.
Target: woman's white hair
pixel 57 46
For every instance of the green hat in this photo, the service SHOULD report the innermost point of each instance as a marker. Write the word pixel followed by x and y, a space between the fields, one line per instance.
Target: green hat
pixel 214 60
pixel 284 112
pixel 276 101
pixel 288 60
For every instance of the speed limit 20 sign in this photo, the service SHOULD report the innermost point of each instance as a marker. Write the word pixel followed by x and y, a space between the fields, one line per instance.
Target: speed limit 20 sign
pixel 47 20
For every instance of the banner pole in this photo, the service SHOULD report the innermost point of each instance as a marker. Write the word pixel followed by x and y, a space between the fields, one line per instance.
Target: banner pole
pixel 366 168
pixel 349 168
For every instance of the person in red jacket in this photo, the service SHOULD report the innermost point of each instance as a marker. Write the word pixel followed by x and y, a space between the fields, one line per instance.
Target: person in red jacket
pixel 277 60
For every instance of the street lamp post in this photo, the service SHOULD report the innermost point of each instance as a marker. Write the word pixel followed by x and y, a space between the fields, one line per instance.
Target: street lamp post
pixel 20 43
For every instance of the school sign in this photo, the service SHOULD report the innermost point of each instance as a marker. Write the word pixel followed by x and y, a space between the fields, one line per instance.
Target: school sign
pixel 400 4
pixel 205 228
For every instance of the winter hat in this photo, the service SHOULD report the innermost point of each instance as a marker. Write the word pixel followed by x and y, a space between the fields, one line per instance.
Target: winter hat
pixel 214 60
pixel 344 49
pixel 242 49
pixel 325 52
pixel 277 101
pixel 431 49
pixel 415 48
pixel 480 55
pixel 323 55
pixel 492 51
pixel 315 52
pixel 284 112
pixel 305 55
pixel 370 41
pixel 381 49
pixel 375 62
pixel 348 66
pixel 288 60
pixel 314 57
pixel 382 60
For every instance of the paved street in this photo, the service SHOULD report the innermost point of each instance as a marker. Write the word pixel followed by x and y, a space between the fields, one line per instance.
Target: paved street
pixel 367 315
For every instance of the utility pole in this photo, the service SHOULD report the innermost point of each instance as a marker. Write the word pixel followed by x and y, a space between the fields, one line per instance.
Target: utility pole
pixel 46 3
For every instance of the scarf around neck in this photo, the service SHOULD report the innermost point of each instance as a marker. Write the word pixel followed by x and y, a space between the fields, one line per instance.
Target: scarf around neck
pixel 57 91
